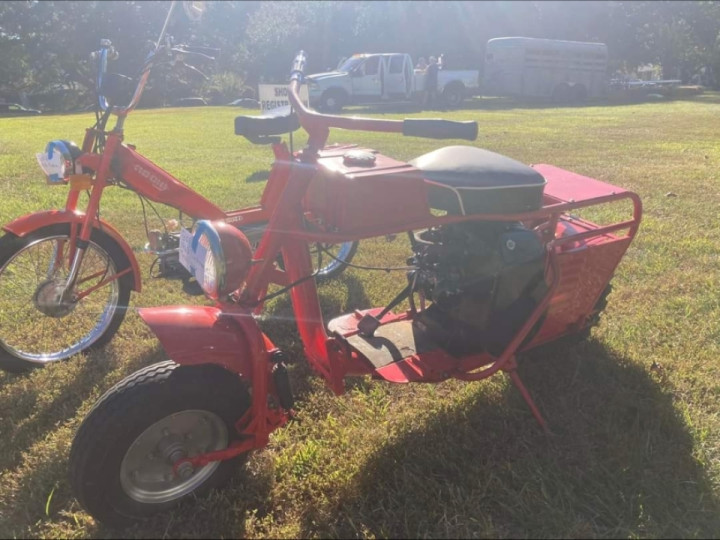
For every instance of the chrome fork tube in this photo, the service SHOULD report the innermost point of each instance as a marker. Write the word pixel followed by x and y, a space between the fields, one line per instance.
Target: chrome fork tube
pixel 74 269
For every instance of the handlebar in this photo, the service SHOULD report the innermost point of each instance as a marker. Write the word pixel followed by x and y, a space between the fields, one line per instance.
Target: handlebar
pixel 108 52
pixel 317 125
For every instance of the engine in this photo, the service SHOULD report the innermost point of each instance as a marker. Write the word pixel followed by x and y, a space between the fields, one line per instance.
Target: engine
pixel 484 279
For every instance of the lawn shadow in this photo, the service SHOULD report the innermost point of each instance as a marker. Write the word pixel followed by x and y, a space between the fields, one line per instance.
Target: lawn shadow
pixel 281 327
pixel 258 176
pixel 36 426
pixel 619 462
pixel 26 422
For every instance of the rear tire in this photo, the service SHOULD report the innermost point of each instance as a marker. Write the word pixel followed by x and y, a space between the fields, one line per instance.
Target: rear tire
pixel 120 473
pixel 334 268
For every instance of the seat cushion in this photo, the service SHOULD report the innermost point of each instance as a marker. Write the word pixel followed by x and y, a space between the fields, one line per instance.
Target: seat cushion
pixel 467 166
pixel 468 180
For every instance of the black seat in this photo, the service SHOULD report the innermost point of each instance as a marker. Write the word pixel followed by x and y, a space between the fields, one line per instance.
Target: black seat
pixel 264 129
pixel 469 180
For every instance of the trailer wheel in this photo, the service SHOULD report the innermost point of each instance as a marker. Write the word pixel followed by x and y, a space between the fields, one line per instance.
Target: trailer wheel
pixel 579 93
pixel 562 93
pixel 333 100
pixel 453 94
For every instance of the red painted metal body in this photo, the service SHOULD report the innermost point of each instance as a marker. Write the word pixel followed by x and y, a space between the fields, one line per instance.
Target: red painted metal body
pixel 581 259
pixel 202 334
pixel 31 222
pixel 119 162
pixel 313 196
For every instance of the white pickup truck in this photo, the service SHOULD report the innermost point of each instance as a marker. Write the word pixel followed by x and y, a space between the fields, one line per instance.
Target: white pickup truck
pixel 386 77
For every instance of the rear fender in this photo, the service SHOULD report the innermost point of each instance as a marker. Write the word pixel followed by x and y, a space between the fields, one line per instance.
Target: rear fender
pixel 26 224
pixel 194 335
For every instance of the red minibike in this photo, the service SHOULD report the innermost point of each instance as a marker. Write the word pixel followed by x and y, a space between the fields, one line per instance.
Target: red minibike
pixel 82 270
pixel 498 266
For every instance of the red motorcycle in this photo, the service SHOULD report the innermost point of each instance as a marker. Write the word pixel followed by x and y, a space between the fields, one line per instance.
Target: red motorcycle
pixel 66 275
pixel 505 269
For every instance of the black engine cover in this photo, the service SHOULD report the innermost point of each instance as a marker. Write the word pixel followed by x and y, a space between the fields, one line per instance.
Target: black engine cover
pixel 486 280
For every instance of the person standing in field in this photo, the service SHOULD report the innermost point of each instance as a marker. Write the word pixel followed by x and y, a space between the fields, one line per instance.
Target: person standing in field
pixel 431 80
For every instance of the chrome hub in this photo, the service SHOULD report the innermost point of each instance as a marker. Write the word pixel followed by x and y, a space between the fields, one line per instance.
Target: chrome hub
pixel 50 299
pixel 148 472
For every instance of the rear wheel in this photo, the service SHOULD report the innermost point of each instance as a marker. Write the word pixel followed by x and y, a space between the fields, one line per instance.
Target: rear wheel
pixel 333 266
pixel 41 322
pixel 121 461
pixel 341 255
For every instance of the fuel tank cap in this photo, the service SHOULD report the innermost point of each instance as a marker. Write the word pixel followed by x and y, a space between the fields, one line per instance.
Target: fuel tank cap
pixel 359 158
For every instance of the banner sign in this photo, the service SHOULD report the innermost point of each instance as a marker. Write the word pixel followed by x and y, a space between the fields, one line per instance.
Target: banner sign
pixel 274 100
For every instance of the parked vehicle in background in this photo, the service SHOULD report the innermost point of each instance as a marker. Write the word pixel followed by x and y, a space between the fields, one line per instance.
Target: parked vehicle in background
pixel 566 71
pixel 13 109
pixel 384 77
pixel 249 103
pixel 191 102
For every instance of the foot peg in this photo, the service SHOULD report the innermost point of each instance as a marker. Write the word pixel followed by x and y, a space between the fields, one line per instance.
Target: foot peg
pixel 367 325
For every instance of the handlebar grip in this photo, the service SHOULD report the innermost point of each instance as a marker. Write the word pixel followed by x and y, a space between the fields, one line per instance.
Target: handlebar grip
pixel 435 128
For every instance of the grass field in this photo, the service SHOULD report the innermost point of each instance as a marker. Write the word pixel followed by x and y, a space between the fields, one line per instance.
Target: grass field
pixel 634 415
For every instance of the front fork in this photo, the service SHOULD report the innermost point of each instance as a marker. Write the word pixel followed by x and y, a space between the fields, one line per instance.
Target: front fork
pixel 80 243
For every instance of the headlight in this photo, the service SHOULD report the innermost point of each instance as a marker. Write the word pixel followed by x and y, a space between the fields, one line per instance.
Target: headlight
pixel 218 255
pixel 58 161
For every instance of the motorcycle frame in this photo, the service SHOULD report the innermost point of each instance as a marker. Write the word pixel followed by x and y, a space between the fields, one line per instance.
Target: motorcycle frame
pixel 328 355
pixel 118 161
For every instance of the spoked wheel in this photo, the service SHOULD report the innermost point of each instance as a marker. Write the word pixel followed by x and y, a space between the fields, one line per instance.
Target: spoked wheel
pixel 333 266
pixel 40 321
pixel 121 461
pixel 342 253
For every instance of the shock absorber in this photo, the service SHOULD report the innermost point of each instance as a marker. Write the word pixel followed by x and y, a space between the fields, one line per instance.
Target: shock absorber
pixel 282 380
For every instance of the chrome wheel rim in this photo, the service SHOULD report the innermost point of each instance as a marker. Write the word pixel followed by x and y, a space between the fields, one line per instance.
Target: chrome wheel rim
pixel 343 250
pixel 146 471
pixel 28 332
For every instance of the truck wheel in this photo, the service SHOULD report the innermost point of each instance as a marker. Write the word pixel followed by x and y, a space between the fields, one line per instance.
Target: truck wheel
pixel 333 100
pixel 453 94
pixel 579 93
pixel 562 93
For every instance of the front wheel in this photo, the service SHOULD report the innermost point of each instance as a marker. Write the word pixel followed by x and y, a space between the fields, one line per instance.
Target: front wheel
pixel 121 460
pixel 41 322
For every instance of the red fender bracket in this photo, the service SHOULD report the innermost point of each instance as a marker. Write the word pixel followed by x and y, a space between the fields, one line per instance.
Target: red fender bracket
pixel 28 223
pixel 201 335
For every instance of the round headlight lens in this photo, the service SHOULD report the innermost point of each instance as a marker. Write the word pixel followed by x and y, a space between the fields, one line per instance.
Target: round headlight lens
pixel 217 255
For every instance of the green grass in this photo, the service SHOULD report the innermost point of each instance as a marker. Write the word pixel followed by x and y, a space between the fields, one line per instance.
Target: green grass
pixel 635 444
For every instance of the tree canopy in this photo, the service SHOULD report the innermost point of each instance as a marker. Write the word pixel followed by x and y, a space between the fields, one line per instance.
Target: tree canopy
pixel 45 45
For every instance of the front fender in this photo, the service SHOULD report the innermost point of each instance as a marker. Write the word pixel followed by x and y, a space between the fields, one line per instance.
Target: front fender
pixel 202 334
pixel 30 222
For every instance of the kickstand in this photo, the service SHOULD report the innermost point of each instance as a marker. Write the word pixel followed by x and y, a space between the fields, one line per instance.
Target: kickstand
pixel 511 369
